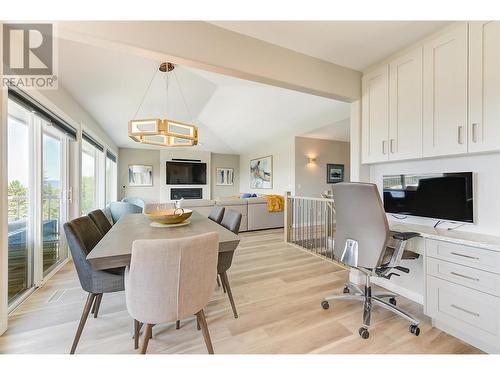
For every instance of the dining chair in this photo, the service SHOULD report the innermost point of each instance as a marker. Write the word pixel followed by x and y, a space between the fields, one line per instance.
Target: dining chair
pixel 119 209
pixel 134 200
pixel 231 221
pixel 101 221
pixel 82 236
pixel 216 214
pixel 169 280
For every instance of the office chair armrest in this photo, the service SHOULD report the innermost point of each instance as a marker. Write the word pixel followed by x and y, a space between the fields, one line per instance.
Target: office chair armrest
pixel 404 236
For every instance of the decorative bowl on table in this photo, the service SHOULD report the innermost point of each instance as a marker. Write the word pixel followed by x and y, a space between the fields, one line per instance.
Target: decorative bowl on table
pixel 169 216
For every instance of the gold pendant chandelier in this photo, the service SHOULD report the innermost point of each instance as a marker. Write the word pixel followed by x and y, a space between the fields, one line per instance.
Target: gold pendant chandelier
pixel 163 132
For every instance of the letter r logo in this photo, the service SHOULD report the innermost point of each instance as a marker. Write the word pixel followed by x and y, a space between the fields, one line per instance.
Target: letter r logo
pixel 27 49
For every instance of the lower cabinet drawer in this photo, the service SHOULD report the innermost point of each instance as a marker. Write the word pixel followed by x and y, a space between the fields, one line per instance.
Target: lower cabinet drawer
pixel 466 310
pixel 467 276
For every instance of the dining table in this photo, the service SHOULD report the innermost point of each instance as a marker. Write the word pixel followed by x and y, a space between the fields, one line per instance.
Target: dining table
pixel 115 248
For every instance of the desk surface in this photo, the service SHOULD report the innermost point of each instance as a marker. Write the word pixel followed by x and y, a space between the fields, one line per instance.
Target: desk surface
pixel 115 248
pixel 459 237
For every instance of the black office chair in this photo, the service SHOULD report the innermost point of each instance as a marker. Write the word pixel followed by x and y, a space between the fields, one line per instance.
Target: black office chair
pixel 363 241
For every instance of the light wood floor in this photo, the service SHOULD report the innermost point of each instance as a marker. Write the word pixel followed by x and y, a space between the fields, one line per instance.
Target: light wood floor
pixel 277 289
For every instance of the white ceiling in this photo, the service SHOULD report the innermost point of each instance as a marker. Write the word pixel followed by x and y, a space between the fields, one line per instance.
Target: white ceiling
pixel 353 44
pixel 338 131
pixel 233 115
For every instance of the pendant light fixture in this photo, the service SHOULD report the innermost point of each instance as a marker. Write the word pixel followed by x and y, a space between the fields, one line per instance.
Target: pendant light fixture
pixel 163 132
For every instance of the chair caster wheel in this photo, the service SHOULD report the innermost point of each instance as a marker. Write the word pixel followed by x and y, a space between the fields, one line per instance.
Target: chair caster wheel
pixel 363 332
pixel 392 301
pixel 346 290
pixel 414 329
pixel 325 305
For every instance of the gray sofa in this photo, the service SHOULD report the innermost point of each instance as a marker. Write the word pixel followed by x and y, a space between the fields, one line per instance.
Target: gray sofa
pixel 253 210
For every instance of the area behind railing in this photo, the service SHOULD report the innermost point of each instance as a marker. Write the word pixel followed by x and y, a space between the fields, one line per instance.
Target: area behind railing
pixel 310 224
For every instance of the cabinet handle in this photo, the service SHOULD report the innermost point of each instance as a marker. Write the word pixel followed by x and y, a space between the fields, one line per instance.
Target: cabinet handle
pixel 464 276
pixel 464 256
pixel 474 132
pixel 391 145
pixel 464 310
pixel 383 147
pixel 459 134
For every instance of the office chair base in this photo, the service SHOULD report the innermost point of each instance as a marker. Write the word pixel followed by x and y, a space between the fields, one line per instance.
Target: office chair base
pixel 353 292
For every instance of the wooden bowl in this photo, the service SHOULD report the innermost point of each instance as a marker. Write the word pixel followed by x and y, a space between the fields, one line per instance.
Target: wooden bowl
pixel 169 216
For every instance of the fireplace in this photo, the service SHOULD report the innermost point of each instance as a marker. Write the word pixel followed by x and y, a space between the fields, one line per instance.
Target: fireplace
pixel 186 193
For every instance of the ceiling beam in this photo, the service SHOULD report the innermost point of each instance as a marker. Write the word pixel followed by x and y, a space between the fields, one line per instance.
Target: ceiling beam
pixel 205 46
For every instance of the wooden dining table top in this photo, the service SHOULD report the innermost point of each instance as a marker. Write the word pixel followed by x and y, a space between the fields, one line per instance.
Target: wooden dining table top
pixel 115 248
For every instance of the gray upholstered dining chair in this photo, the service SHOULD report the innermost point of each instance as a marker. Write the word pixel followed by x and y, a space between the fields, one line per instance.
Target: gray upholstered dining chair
pixel 118 209
pixel 231 221
pixel 134 200
pixel 169 280
pixel 101 221
pixel 82 236
pixel 216 214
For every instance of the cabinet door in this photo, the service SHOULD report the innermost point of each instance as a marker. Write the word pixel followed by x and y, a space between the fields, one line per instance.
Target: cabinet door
pixel 405 108
pixel 375 115
pixel 484 86
pixel 445 93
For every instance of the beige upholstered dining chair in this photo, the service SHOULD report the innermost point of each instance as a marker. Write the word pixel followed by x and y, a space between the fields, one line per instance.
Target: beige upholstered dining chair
pixel 169 280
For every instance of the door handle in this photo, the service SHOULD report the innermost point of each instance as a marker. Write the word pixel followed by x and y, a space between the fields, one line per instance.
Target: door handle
pixel 383 147
pixel 391 145
pixel 464 276
pixel 474 132
pixel 459 134
pixel 464 310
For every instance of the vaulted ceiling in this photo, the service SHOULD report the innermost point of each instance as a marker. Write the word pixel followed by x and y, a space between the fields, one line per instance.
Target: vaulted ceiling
pixel 233 115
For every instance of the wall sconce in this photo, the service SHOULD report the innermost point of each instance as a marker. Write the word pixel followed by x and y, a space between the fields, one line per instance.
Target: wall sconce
pixel 311 160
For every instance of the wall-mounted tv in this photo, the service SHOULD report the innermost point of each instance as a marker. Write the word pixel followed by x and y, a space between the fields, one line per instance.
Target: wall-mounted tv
pixel 186 173
pixel 444 196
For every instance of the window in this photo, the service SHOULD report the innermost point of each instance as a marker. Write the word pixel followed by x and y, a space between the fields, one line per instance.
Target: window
pixel 88 200
pixel 111 179
pixel 37 184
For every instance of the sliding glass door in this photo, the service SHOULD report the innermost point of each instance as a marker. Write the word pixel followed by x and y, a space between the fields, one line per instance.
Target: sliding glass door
pixel 53 205
pixel 20 249
pixel 37 178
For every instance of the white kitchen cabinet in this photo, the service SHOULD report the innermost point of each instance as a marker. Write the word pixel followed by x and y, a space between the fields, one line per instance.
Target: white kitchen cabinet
pixel 445 93
pixel 405 106
pixel 375 115
pixel 484 86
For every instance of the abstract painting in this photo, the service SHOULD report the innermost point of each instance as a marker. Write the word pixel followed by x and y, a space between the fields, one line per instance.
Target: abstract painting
pixel 140 175
pixel 224 176
pixel 261 173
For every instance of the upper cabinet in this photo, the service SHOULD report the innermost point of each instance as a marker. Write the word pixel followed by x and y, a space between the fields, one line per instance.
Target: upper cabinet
pixel 484 86
pixel 445 93
pixel 405 106
pixel 375 115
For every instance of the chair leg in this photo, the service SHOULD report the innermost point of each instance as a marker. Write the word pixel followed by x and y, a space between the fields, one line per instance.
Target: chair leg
pixel 97 304
pixel 137 328
pixel 222 282
pixel 225 282
pixel 204 328
pixel 218 281
pixel 83 319
pixel 178 324
pixel 147 336
pixel 198 327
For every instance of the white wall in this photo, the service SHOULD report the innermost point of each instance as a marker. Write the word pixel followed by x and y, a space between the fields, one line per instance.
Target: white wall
pixel 283 151
pixel 310 179
pixel 225 161
pixel 131 156
pixel 487 185
pixel 3 210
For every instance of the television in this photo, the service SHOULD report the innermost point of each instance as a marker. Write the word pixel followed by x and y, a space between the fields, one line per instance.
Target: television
pixel 443 196
pixel 186 173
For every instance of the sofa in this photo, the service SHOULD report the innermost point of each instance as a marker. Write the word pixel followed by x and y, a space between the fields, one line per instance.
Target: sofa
pixel 254 211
